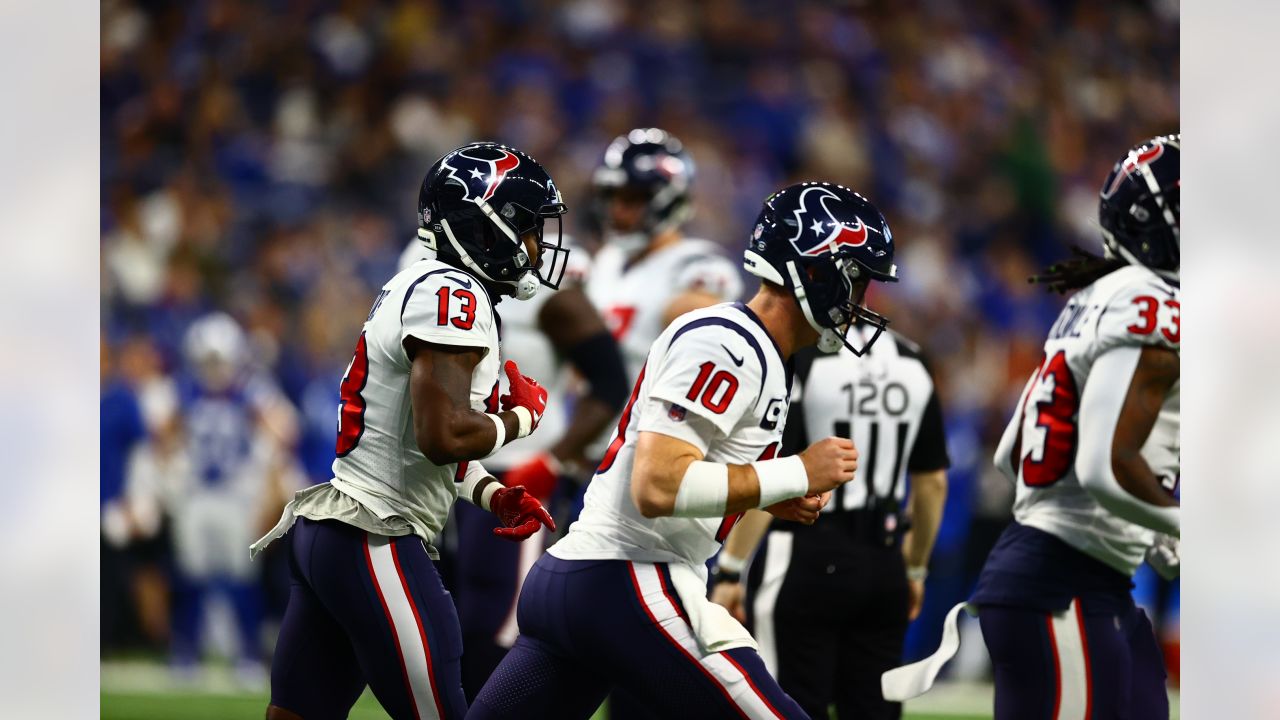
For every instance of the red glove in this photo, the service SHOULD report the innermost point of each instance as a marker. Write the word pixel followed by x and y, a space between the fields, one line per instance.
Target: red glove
pixel 539 475
pixel 525 392
pixel 519 513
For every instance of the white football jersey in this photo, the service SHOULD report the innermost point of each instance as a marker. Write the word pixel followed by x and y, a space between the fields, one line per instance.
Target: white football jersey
pixel 524 342
pixel 633 297
pixel 719 365
pixel 1131 306
pixel 378 461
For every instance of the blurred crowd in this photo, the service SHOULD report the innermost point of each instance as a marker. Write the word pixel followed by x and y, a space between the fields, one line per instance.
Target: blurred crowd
pixel 262 159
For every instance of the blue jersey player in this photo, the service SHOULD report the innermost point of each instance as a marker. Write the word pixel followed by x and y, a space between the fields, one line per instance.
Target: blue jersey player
pixel 237 430
pixel 621 599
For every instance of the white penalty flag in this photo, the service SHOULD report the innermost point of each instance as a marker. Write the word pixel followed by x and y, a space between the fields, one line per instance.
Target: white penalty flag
pixel 908 681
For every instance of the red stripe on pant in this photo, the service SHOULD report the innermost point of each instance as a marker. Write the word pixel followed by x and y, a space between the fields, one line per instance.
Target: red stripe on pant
pixel 395 638
pixel 422 631
pixel 1088 669
pixel 746 675
pixel 635 582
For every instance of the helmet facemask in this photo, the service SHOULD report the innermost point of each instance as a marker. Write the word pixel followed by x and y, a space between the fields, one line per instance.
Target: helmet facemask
pixel 508 225
pixel 840 284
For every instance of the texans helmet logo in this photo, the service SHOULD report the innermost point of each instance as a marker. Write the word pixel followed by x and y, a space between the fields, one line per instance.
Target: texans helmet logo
pixel 818 229
pixel 480 176
pixel 1131 165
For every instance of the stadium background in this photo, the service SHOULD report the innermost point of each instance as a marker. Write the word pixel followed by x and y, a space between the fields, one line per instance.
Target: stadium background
pixel 263 159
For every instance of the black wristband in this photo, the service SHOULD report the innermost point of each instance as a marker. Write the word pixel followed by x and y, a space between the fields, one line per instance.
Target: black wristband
pixel 724 576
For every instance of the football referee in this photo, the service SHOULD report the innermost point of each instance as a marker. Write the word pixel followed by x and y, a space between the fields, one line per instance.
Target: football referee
pixel 829 603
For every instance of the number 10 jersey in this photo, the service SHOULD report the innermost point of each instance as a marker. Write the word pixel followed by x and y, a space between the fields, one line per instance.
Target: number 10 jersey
pixel 714 379
pixel 1131 306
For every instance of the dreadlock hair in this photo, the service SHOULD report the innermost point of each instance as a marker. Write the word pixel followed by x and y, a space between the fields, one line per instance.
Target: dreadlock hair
pixel 1077 272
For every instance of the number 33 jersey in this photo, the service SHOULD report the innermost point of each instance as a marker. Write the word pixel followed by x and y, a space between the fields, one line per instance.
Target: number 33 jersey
pixel 713 379
pixel 1131 306
pixel 378 461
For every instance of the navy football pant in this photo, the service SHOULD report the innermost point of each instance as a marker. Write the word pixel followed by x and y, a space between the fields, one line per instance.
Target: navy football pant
pixel 589 625
pixel 488 574
pixel 1074 664
pixel 365 608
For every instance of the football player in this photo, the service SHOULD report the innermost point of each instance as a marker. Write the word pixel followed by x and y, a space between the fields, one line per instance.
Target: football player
pixel 420 406
pixel 647 273
pixel 868 547
pixel 621 599
pixel 1093 448
pixel 539 336
pixel 234 432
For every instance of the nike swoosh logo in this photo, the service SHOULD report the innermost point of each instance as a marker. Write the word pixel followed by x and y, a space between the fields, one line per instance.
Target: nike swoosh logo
pixel 464 283
pixel 736 360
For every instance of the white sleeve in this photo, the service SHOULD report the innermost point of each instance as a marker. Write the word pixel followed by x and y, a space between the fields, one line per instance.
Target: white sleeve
pixel 447 308
pixel 1104 396
pixel 1004 460
pixel 672 420
pixel 709 372
pixel 711 274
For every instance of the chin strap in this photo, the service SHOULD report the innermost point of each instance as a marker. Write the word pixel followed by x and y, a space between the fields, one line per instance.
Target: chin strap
pixel 1111 249
pixel 829 340
pixel 525 287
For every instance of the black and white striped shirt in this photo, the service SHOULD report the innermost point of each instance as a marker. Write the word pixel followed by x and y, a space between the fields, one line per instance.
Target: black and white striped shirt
pixel 884 401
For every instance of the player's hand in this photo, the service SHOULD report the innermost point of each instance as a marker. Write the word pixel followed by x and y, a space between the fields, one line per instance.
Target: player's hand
pixel 915 598
pixel 730 596
pixel 802 509
pixel 830 463
pixel 1163 557
pixel 539 475
pixel 524 392
pixel 519 513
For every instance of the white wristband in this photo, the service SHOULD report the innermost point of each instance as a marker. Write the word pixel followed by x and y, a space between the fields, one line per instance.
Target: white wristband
pixel 501 438
pixel 474 475
pixel 704 489
pixel 525 417
pixel 730 563
pixel 917 573
pixel 781 479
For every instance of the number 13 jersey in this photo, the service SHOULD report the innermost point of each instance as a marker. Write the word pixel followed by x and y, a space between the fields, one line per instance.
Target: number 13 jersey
pixel 378 461
pixel 1131 306
pixel 714 379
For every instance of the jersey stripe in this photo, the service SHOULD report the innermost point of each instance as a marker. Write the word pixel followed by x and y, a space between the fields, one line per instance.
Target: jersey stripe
pixel 414 286
pixel 623 422
pixel 746 335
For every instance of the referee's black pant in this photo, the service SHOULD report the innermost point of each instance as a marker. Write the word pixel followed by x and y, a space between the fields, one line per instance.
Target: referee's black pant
pixel 829 610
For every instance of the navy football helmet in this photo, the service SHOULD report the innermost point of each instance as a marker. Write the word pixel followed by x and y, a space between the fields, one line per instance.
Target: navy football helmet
pixel 474 206
pixel 1138 206
pixel 655 164
pixel 824 243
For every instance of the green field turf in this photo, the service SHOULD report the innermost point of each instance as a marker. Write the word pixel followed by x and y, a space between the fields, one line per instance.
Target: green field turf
pixel 201 706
